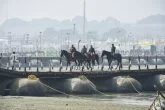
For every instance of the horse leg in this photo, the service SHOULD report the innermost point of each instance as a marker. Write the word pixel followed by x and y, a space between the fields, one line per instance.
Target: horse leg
pixel 83 65
pixel 79 64
pixel 109 64
pixel 117 65
pixel 59 68
pixel 75 64
pixel 111 67
pixel 70 65
pixel 70 68
pixel 87 64
pixel 102 66
pixel 82 68
pixel 93 63
pixel 67 66
pixel 97 63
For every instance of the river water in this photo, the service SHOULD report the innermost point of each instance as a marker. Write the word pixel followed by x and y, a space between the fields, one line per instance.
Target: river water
pixel 124 98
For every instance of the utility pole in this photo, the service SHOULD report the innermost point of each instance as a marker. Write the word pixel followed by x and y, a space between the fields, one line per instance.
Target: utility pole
pixel 9 40
pixel 74 29
pixel 84 19
pixel 40 40
pixel 68 34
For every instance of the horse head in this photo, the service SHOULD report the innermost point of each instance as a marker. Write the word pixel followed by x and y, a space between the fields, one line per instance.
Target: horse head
pixel 63 53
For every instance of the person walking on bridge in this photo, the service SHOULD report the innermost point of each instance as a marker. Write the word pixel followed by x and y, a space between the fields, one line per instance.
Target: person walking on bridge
pixel 13 60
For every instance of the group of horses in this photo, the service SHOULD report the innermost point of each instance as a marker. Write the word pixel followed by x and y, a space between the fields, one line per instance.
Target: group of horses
pixel 89 60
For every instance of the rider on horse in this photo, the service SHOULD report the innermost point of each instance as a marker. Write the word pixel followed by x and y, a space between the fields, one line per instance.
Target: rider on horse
pixel 92 51
pixel 84 50
pixel 72 50
pixel 113 49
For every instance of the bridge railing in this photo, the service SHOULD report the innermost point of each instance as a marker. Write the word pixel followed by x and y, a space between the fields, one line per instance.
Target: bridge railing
pixel 51 62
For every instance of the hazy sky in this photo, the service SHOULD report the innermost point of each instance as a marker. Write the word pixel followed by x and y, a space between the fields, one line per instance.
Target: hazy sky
pixel 123 10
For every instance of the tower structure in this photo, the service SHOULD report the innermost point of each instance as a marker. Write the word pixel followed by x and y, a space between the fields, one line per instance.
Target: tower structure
pixel 84 23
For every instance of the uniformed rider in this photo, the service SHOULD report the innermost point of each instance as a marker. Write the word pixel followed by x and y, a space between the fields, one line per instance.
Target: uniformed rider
pixel 91 50
pixel 113 49
pixel 72 50
pixel 84 50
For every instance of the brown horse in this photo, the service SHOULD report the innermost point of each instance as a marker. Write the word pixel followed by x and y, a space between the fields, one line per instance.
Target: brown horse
pixel 111 57
pixel 78 58
pixel 93 58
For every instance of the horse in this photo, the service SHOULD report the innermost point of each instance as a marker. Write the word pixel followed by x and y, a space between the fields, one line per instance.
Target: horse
pixel 78 58
pixel 93 58
pixel 87 60
pixel 82 60
pixel 110 58
pixel 68 57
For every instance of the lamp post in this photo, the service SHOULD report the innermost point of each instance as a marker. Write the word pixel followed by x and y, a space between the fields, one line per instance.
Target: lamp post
pixel 9 40
pixel 40 39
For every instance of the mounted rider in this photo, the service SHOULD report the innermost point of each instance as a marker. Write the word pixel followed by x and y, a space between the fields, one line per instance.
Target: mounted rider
pixel 113 49
pixel 84 50
pixel 92 51
pixel 72 50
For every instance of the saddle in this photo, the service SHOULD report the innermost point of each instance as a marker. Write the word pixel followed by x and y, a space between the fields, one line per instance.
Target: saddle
pixel 91 56
pixel 72 56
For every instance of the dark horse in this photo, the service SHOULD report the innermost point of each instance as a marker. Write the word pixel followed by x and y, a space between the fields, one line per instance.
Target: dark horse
pixel 78 58
pixel 110 58
pixel 93 58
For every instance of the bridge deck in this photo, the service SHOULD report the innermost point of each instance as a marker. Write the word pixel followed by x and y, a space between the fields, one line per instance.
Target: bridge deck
pixel 54 73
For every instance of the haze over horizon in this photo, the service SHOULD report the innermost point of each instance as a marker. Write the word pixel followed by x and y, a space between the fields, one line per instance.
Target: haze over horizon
pixel 126 11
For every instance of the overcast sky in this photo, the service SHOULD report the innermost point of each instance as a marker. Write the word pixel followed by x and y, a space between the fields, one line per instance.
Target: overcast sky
pixel 127 11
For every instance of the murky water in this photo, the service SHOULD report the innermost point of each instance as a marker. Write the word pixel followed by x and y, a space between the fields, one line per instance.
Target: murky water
pixel 125 98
